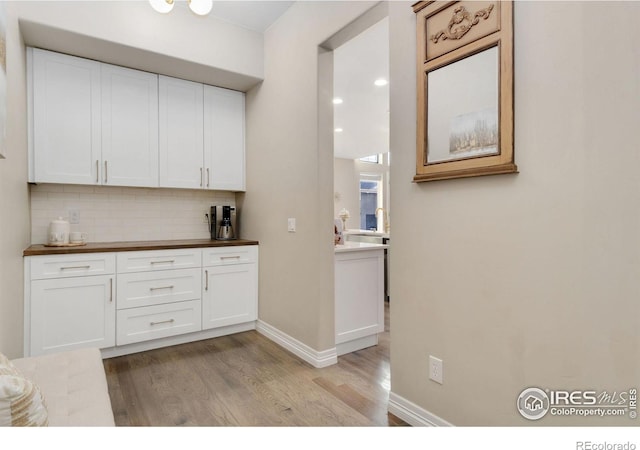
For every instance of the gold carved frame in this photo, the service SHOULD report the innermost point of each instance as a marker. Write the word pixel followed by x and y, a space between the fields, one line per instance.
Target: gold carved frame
pixel 448 33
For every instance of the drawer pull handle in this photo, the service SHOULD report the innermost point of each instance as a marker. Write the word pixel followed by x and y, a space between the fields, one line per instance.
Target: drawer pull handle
pixel 74 267
pixel 164 321
pixel 207 177
pixel 161 287
pixel 110 290
pixel 230 257
pixel 168 261
pixel 105 171
pixel 206 278
pixel 97 171
pixel 201 176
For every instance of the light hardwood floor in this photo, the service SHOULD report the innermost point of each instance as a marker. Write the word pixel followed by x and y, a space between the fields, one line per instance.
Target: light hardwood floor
pixel 247 380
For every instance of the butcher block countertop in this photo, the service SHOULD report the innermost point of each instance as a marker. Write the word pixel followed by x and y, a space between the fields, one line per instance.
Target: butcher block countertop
pixel 130 246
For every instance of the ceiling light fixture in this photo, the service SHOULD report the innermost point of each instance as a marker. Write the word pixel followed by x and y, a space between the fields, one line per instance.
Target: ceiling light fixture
pixel 381 82
pixel 199 7
pixel 337 101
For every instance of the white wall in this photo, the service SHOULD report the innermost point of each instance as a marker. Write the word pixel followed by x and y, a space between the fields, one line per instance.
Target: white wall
pixel 113 31
pixel 14 196
pixel 528 279
pixel 132 34
pixel 290 174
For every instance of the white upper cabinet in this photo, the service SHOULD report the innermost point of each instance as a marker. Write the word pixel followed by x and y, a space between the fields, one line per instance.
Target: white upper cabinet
pixel 129 127
pixel 181 134
pixel 224 153
pixel 96 123
pixel 92 123
pixel 65 118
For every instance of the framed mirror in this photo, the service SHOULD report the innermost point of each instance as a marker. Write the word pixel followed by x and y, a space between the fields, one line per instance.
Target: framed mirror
pixel 465 89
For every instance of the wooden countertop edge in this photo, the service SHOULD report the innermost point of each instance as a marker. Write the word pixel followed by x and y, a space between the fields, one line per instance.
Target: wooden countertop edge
pixel 131 246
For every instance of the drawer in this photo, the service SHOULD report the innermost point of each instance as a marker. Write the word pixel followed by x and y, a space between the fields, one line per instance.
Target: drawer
pixel 75 265
pixel 159 321
pixel 159 260
pixel 222 256
pixel 155 288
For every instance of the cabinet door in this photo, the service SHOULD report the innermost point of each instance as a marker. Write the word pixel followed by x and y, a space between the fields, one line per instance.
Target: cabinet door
pixel 129 127
pixel 224 138
pixel 65 118
pixel 72 313
pixel 230 295
pixel 181 134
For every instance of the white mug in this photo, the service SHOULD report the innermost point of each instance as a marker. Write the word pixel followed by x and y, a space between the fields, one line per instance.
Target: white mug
pixel 77 237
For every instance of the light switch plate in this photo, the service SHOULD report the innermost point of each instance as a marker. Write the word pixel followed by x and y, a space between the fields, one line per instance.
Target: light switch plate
pixel 291 225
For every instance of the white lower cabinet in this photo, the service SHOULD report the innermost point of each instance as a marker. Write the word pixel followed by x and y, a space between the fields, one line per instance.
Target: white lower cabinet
pixel 114 300
pixel 71 311
pixel 230 291
pixel 159 321
pixel 156 300
pixel 229 296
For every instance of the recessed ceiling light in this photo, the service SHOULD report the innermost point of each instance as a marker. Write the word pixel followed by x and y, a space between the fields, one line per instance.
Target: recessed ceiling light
pixel 380 82
pixel 337 101
pixel 338 130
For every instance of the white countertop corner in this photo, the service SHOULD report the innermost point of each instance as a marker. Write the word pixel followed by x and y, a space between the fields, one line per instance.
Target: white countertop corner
pixel 350 246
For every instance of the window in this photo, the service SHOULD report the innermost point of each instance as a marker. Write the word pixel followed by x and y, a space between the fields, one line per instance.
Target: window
pixel 372 159
pixel 370 200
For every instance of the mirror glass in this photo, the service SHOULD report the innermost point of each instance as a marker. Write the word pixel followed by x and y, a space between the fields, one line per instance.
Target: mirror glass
pixel 462 109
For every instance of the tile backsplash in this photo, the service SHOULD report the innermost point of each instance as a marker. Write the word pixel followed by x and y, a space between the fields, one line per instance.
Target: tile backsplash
pixel 109 214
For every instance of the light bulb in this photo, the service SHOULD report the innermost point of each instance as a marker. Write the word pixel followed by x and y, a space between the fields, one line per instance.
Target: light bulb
pixel 201 7
pixel 337 101
pixel 162 6
pixel 380 82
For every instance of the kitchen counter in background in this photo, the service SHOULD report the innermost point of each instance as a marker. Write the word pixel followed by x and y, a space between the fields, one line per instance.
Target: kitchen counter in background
pixel 366 233
pixel 352 246
pixel 130 246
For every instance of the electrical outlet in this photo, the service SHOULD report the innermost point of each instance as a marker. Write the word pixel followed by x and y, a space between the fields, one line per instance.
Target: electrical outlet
pixel 74 216
pixel 435 369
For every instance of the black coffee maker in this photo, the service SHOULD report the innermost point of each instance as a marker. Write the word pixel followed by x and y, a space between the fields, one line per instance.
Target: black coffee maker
pixel 223 223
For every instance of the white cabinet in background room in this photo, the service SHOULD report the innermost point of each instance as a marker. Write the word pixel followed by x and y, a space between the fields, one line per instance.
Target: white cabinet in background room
pixel 129 127
pixel 230 291
pixel 181 134
pixel 69 303
pixel 224 151
pixel 65 118
pixel 359 297
pixel 91 123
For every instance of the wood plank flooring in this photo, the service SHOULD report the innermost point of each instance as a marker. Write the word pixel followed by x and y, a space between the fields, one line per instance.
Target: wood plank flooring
pixel 247 380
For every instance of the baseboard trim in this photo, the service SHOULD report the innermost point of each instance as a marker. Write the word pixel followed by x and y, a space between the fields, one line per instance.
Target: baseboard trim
pixel 317 359
pixel 413 414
